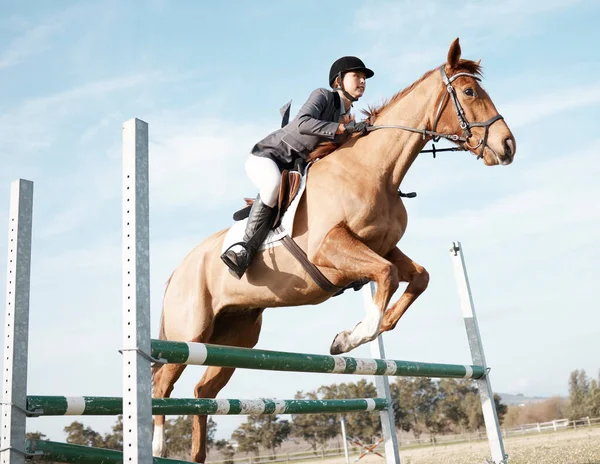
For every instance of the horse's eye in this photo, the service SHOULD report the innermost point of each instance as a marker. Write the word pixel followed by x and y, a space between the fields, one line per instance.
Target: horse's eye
pixel 469 92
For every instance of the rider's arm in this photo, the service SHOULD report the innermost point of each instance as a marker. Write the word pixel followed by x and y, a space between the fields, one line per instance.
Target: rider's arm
pixel 309 122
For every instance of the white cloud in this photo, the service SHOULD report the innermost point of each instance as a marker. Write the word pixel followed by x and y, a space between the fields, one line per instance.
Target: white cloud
pixel 552 102
pixel 36 38
pixel 34 123
pixel 408 37
pixel 200 163
pixel 32 42
pixel 542 196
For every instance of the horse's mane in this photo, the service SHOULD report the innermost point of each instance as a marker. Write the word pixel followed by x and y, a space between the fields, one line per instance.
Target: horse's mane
pixel 373 112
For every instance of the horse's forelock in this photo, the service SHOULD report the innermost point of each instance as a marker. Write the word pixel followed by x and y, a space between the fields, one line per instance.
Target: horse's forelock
pixel 469 66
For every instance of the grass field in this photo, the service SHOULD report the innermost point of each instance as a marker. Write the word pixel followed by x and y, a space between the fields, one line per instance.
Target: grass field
pixel 570 447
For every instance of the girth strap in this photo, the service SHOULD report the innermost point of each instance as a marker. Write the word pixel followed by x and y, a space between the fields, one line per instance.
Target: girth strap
pixel 313 271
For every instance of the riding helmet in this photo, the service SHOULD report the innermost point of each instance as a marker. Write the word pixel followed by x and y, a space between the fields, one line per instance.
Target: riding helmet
pixel 345 64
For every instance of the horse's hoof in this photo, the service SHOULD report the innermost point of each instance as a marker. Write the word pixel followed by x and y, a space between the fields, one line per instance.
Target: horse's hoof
pixel 340 343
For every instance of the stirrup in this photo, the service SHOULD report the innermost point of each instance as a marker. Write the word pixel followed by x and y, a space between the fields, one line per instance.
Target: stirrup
pixel 235 269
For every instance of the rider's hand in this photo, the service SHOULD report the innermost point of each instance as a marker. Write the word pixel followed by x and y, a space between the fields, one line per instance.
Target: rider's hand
pixel 347 118
pixel 357 127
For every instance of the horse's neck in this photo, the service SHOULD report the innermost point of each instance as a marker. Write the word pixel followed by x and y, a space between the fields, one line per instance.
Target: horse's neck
pixel 392 151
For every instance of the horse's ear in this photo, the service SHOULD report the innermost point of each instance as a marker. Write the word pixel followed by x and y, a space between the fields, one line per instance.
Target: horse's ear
pixel 454 54
pixel 479 62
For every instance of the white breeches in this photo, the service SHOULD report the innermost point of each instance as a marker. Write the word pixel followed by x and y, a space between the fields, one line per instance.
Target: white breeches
pixel 265 174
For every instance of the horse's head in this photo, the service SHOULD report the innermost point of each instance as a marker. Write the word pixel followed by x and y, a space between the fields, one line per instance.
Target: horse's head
pixel 467 109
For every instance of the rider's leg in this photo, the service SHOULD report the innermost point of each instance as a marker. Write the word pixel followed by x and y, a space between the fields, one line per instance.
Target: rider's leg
pixel 265 174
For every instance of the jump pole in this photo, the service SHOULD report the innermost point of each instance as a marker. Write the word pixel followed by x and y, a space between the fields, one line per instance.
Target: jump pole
pixel 484 385
pixel 382 384
pixel 16 323
pixel 137 383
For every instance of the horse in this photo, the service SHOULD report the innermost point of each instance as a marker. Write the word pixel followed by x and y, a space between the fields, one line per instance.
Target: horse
pixel 348 222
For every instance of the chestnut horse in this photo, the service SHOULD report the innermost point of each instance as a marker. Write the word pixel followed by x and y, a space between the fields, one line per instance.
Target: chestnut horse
pixel 348 222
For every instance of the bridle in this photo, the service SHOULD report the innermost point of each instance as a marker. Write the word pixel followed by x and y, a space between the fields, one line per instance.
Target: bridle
pixel 464 123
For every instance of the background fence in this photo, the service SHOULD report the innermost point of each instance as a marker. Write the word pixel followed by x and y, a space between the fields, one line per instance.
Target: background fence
pixel 557 425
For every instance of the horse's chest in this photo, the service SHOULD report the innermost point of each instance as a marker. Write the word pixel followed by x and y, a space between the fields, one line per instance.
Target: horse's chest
pixel 380 225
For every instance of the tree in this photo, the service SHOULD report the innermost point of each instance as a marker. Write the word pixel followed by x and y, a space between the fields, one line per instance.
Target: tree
pixel 266 430
pixel 226 449
pixel 452 402
pixel 501 408
pixel 363 425
pixel 541 411
pixel 594 401
pixel 178 435
pixel 579 394
pixel 316 429
pixel 415 401
pixel 246 436
pixel 114 440
pixel 78 434
pixel 272 432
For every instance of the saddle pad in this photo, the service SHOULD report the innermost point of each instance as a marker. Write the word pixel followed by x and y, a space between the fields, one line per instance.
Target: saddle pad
pixel 236 231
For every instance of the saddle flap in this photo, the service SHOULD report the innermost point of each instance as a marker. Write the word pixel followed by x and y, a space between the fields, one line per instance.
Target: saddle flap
pixel 290 184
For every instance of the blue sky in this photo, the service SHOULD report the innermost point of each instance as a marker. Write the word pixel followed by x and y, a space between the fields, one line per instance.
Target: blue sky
pixel 210 79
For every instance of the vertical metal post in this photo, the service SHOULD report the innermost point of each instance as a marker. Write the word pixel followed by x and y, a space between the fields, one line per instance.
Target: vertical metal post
pixel 388 426
pixel 345 439
pixel 484 385
pixel 137 394
pixel 16 332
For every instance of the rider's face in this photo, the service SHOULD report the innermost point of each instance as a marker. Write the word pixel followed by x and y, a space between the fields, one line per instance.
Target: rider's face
pixel 355 83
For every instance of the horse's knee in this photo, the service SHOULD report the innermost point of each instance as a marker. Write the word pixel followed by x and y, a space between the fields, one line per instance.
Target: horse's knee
pixel 391 277
pixel 420 280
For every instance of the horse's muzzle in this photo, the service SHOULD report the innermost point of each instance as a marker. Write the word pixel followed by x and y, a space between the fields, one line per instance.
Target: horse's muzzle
pixel 509 151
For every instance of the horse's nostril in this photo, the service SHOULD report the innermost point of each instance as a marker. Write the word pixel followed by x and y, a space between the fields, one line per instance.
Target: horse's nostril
pixel 509 146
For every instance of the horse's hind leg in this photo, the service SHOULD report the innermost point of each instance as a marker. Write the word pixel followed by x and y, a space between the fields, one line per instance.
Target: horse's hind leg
pixel 164 380
pixel 417 278
pixel 233 329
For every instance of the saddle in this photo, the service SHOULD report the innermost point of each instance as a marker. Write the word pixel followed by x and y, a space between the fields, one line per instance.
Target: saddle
pixel 290 184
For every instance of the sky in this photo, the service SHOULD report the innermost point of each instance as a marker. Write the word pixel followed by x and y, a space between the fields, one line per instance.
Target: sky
pixel 209 78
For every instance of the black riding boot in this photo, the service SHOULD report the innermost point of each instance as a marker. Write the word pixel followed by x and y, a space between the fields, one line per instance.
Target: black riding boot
pixel 259 223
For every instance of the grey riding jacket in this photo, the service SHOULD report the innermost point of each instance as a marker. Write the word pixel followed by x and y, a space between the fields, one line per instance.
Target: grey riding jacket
pixel 316 122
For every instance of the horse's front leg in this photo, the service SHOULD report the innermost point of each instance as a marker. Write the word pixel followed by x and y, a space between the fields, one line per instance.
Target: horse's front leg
pixel 417 278
pixel 342 251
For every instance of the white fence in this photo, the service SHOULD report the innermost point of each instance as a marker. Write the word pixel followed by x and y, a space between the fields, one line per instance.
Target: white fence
pixel 546 427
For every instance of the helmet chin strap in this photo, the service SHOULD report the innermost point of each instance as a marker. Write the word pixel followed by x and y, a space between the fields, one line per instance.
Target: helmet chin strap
pixel 341 87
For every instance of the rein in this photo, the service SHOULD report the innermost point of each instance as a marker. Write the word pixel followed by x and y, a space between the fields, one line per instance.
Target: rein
pixel 465 125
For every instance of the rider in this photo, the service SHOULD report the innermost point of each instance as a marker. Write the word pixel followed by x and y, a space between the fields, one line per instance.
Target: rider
pixel 324 116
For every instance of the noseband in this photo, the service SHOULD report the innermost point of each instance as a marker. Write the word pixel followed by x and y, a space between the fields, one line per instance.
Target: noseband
pixel 464 123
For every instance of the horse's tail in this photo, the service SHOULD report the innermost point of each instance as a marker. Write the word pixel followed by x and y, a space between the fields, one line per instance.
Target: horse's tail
pixel 161 331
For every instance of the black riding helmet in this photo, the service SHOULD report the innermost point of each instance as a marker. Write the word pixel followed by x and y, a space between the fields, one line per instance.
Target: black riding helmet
pixel 344 65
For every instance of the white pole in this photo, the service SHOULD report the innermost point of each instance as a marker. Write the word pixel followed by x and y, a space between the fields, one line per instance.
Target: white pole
pixel 388 426
pixel 137 389
pixel 484 385
pixel 16 332
pixel 345 438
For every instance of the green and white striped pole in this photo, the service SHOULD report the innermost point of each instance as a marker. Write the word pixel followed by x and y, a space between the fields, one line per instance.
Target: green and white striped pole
pixel 112 406
pixel 77 454
pixel 204 354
